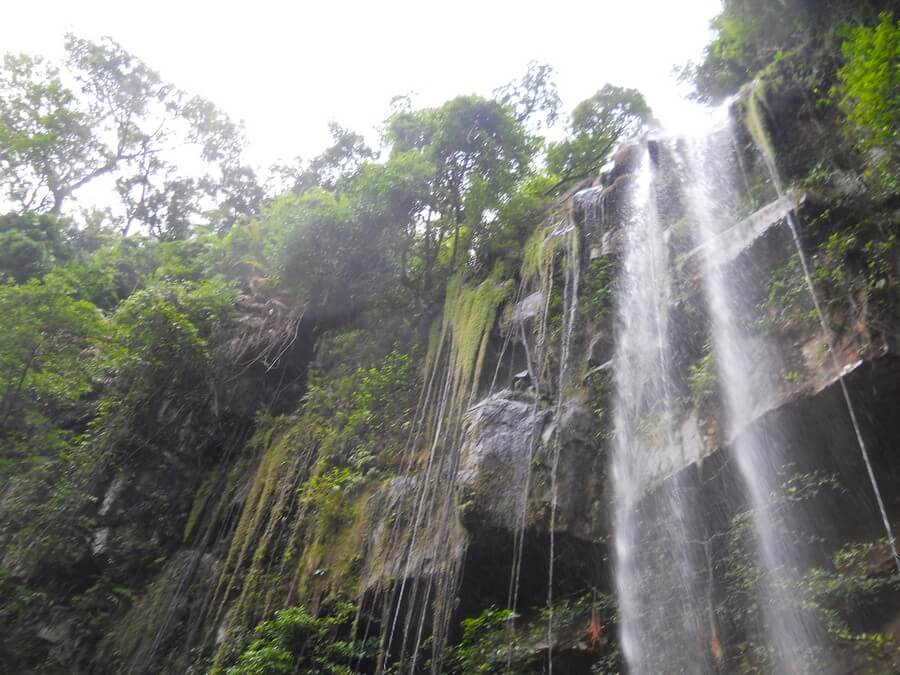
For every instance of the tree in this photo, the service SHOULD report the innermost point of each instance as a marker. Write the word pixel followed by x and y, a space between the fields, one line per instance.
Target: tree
pixel 478 151
pixel 108 115
pixel 30 245
pixel 340 161
pixel 598 123
pixel 750 34
pixel 534 98
pixel 322 253
pixel 42 368
pixel 394 200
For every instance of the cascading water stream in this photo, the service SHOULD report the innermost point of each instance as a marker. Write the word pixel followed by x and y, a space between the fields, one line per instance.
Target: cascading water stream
pixel 570 307
pixel 792 637
pixel 656 575
pixel 760 137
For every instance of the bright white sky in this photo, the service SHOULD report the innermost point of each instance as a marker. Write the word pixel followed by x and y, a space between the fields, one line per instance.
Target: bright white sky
pixel 288 68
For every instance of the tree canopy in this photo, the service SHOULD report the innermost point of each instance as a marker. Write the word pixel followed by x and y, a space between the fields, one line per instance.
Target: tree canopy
pixel 108 115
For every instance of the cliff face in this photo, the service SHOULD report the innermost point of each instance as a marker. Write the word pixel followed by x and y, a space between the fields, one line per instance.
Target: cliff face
pixel 497 485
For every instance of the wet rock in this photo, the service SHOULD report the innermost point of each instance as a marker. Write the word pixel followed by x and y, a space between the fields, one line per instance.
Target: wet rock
pixel 397 546
pixel 739 237
pixel 501 437
pixel 600 348
pixel 58 633
pixel 528 308
pixel 625 160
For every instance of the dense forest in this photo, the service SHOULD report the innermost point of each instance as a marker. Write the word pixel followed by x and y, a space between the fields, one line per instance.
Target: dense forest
pixel 229 402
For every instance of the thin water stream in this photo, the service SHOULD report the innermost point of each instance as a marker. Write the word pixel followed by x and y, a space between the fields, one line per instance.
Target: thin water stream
pixel 764 146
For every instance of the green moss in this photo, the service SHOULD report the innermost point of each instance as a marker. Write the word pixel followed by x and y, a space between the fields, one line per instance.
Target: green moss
pixel 597 288
pixel 754 102
pixel 330 565
pixel 268 503
pixel 200 501
pixel 540 249
pixel 702 380
pixel 469 316
pixel 328 495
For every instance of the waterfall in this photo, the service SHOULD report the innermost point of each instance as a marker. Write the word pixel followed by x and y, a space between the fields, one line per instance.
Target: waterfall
pixel 670 532
pixel 660 608
pixel 747 382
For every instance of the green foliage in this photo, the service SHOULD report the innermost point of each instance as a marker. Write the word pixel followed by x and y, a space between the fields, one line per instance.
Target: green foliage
pixel 534 99
pixel 597 287
pixel 30 245
pixel 42 366
pixel 502 641
pixel 485 644
pixel 730 59
pixel 329 494
pixel 126 342
pixel 703 381
pixel 870 81
pixel 500 239
pixel 597 125
pixel 263 659
pixel 312 225
pixel 160 365
pixel 612 111
pixel 327 248
pixel 788 305
pixel 110 115
pixel 753 34
pixel 298 641
pixel 168 326
pixel 112 272
pixel 364 415
pixel 478 151
pixel 793 377
pixel 342 160
pixel 856 264
pixel 868 85
pixel 842 597
pixel 854 587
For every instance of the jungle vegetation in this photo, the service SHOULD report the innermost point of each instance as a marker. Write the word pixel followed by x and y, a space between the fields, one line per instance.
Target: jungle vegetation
pixel 203 311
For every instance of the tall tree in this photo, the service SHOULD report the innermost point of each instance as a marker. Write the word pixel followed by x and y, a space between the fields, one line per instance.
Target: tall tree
pixel 598 123
pixel 108 115
pixel 478 151
pixel 534 98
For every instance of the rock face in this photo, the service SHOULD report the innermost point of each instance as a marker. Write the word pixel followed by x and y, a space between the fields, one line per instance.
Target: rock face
pixel 501 438
pixel 507 459
pixel 740 236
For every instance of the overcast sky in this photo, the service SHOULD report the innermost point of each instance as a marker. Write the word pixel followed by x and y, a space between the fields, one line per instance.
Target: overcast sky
pixel 287 68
